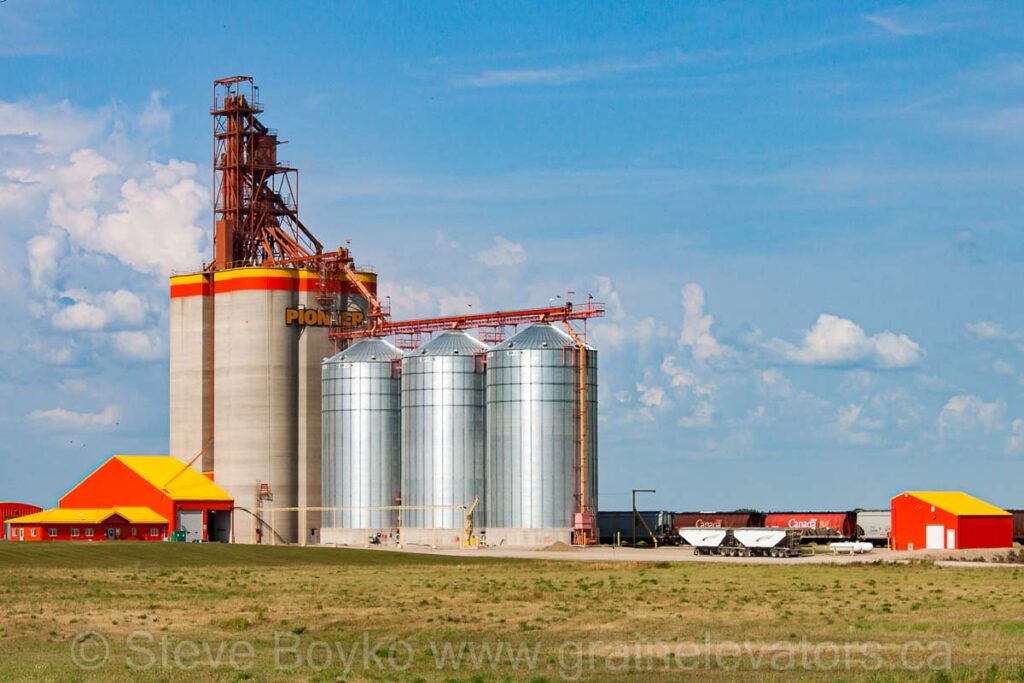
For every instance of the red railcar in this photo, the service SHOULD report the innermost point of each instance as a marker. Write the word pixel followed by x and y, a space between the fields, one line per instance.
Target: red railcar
pixel 717 520
pixel 12 510
pixel 815 524
pixel 1018 525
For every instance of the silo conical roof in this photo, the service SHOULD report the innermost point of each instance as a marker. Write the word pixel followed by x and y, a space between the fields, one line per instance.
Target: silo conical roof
pixel 451 343
pixel 368 350
pixel 539 336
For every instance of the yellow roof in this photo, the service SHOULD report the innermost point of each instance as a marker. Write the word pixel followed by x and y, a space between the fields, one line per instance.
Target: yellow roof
pixel 958 503
pixel 134 515
pixel 173 477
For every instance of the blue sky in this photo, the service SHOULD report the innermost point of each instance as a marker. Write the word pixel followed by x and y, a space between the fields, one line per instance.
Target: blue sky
pixel 805 219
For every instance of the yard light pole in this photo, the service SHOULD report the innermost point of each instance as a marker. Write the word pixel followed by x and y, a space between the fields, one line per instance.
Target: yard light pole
pixel 635 513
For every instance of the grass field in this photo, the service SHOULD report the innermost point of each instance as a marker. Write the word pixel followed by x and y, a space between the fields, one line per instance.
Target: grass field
pixel 213 612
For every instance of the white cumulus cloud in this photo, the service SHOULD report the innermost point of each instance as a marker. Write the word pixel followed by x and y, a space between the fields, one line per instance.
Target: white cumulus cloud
pixel 90 312
pixel 686 379
pixel 1001 367
pixel 854 426
pixel 138 345
pixel 44 253
pixel 965 412
pixel 417 300
pixel 62 418
pixel 986 330
pixel 618 329
pixel 155 118
pixel 55 128
pixel 502 253
pixel 841 342
pixel 650 396
pixel 1015 441
pixel 153 228
pixel 123 306
pixel 774 383
pixel 696 334
pixel 80 316
pixel 702 416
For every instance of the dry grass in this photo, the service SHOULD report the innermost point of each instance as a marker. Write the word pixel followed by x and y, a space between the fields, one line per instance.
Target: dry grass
pixel 583 621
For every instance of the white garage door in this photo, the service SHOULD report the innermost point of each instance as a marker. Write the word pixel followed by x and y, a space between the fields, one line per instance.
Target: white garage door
pixel 934 537
pixel 191 522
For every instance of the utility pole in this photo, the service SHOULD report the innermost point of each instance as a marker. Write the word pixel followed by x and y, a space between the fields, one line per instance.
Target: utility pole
pixel 635 513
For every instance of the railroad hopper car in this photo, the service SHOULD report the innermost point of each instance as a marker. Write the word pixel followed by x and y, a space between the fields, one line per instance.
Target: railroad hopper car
pixel 617 526
pixel 874 526
pixel 717 520
pixel 816 526
pixel 1018 525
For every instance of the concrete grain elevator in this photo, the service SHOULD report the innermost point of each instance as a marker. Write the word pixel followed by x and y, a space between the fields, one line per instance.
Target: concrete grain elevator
pixel 249 331
pixel 285 392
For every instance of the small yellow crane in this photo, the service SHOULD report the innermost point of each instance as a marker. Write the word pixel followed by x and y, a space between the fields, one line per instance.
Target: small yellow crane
pixel 469 522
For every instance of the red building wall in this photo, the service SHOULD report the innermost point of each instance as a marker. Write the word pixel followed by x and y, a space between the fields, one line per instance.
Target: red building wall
pixel 12 510
pixel 64 532
pixel 985 532
pixel 206 506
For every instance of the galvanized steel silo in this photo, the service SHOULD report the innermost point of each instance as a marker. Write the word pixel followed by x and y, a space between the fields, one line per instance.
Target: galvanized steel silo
pixel 533 446
pixel 361 439
pixel 443 430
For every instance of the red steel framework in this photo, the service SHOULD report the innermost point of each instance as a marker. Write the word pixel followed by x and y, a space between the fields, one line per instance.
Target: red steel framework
pixel 255 208
pixel 492 327
pixel 256 223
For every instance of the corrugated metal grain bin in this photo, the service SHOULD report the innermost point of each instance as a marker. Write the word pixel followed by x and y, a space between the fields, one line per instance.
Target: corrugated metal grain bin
pixel 362 438
pixel 533 449
pixel 443 425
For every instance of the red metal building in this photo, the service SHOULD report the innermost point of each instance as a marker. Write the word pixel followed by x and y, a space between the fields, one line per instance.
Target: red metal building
pixel 83 524
pixel 949 520
pixel 12 510
pixel 130 496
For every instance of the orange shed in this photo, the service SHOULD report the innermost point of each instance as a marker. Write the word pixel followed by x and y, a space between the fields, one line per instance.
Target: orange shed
pixel 171 489
pixel 949 520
